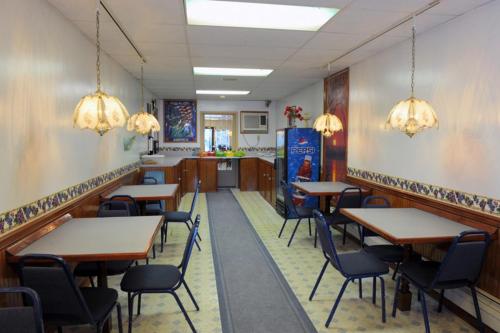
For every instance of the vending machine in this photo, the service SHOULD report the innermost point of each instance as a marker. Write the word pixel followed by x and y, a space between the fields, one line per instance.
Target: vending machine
pixel 298 159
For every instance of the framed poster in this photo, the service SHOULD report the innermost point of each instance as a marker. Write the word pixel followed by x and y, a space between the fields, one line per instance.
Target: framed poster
pixel 179 121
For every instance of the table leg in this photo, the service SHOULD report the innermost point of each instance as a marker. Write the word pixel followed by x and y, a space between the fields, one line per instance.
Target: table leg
pixel 328 200
pixel 404 294
pixel 102 282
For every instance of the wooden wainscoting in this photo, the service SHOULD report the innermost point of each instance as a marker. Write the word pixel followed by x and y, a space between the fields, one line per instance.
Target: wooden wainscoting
pixel 490 276
pixel 85 205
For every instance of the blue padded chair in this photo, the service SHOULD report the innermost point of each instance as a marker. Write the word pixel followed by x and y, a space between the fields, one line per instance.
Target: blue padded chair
pixel 350 197
pixel 25 319
pixel 460 268
pixel 63 303
pixel 156 279
pixel 389 253
pixel 294 212
pixel 155 207
pixel 352 265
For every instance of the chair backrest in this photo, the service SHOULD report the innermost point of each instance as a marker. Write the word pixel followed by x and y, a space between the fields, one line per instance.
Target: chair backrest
pixel 326 240
pixel 189 247
pixel 149 181
pixel 60 297
pixel 133 207
pixel 350 197
pixel 195 197
pixel 25 319
pixel 158 175
pixel 373 201
pixel 464 260
pixel 291 211
pixel 113 208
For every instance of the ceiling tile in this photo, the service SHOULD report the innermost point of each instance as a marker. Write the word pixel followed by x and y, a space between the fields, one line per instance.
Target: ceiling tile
pixel 79 10
pixel 334 41
pixel 235 62
pixel 218 83
pixel 407 6
pixel 457 7
pixel 159 33
pixel 275 53
pixel 150 11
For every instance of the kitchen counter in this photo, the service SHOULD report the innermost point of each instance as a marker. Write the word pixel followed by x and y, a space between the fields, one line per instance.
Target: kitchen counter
pixel 170 161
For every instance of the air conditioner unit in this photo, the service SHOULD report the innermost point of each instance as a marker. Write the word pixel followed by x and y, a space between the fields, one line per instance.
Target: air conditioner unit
pixel 254 122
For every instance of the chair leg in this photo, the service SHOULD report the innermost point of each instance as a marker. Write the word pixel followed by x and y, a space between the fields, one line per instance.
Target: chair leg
pixel 183 311
pixel 440 304
pixel 395 271
pixel 293 233
pixel 119 317
pixel 59 329
pixel 191 296
pixel 374 290
pixel 424 312
pixel 195 241
pixel 282 227
pixel 162 235
pixel 198 234
pixel 360 234
pixel 318 280
pixel 337 301
pixel 478 311
pixel 396 294
pixel 92 284
pixel 343 236
pixel 360 284
pixel 315 236
pixel 310 231
pixel 154 252
pixel 139 299
pixel 130 300
pixel 382 295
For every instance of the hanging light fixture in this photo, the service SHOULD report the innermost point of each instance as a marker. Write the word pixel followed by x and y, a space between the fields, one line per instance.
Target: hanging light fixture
pixel 412 115
pixel 99 111
pixel 327 124
pixel 143 122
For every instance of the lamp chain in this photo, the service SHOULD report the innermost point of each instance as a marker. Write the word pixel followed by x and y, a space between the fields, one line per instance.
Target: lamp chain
pixel 98 48
pixel 413 57
pixel 142 86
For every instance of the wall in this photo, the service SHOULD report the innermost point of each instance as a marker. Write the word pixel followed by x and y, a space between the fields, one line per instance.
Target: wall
pixel 266 140
pixel 458 72
pixel 46 66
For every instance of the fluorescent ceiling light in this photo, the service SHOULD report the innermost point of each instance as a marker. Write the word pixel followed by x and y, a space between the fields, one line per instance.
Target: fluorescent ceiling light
pixel 222 92
pixel 257 15
pixel 231 71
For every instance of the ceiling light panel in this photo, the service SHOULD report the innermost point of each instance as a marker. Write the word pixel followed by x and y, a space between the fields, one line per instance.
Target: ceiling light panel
pixel 222 92
pixel 257 15
pixel 231 71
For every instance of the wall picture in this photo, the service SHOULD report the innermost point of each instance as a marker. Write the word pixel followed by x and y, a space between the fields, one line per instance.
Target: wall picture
pixel 179 121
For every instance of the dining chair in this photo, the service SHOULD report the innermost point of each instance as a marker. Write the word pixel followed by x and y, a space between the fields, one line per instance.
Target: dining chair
pixel 460 267
pixel 22 319
pixel 110 208
pixel 133 206
pixel 350 197
pixel 63 302
pixel 154 207
pixel 352 265
pixel 180 217
pixel 294 212
pixel 390 253
pixel 156 279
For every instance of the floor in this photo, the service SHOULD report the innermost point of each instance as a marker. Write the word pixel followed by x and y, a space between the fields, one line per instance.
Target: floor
pixel 299 264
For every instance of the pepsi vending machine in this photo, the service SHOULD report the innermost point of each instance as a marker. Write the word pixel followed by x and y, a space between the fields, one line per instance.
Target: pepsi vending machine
pixel 298 159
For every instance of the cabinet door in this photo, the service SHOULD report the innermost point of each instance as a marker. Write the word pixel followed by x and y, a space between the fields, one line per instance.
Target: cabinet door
pixel 249 174
pixel 208 175
pixel 262 177
pixel 190 175
pixel 273 187
pixel 269 170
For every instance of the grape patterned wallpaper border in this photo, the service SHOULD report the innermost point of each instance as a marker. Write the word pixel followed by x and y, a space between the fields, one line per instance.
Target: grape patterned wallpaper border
pixel 14 218
pixel 455 197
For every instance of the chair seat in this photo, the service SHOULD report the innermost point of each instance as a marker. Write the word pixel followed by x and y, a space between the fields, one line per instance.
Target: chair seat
pixel 422 273
pixel 115 267
pixel 100 301
pixel 337 219
pixel 171 216
pixel 150 278
pixel 304 212
pixel 362 263
pixel 387 253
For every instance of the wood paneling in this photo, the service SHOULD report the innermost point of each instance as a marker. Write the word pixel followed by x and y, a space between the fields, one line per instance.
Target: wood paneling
pixel 189 175
pixel 249 179
pixel 490 276
pixel 266 176
pixel 207 169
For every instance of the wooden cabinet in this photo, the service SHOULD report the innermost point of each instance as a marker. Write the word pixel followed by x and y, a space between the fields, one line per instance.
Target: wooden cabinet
pixel 189 175
pixel 207 169
pixel 266 181
pixel 249 175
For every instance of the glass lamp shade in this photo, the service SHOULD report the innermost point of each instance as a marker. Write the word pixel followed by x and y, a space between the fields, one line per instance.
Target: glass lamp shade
pixel 327 124
pixel 142 123
pixel 412 116
pixel 100 112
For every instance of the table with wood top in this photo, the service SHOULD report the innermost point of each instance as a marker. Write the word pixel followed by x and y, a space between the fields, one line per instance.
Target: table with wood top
pixel 322 189
pixel 92 239
pixel 166 192
pixel 406 226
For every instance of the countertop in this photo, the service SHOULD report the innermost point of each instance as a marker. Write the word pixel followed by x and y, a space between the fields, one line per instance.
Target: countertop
pixel 170 161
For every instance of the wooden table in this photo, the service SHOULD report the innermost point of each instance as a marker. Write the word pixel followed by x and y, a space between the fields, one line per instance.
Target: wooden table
pixel 406 226
pixel 166 192
pixel 322 189
pixel 92 239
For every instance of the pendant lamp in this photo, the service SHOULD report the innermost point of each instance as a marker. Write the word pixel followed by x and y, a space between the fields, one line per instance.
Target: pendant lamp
pixel 142 122
pixel 327 124
pixel 412 115
pixel 99 111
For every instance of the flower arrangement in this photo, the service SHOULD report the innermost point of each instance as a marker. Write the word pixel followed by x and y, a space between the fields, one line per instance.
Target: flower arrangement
pixel 292 113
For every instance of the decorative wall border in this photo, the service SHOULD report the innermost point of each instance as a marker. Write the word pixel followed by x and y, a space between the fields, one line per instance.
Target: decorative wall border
pixel 16 217
pixel 197 149
pixel 475 202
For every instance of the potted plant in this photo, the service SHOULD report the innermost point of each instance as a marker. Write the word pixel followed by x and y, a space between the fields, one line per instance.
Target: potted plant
pixel 293 113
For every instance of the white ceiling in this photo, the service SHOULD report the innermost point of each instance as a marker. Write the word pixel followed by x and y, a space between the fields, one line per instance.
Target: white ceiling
pixel 299 58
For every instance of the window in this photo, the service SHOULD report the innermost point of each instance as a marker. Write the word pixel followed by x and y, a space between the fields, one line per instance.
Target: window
pixel 219 131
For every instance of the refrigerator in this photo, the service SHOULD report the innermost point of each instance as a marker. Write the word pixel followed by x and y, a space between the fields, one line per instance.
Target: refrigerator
pixel 298 159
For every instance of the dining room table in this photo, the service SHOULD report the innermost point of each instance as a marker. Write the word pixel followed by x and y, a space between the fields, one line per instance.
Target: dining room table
pixel 407 227
pixel 143 193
